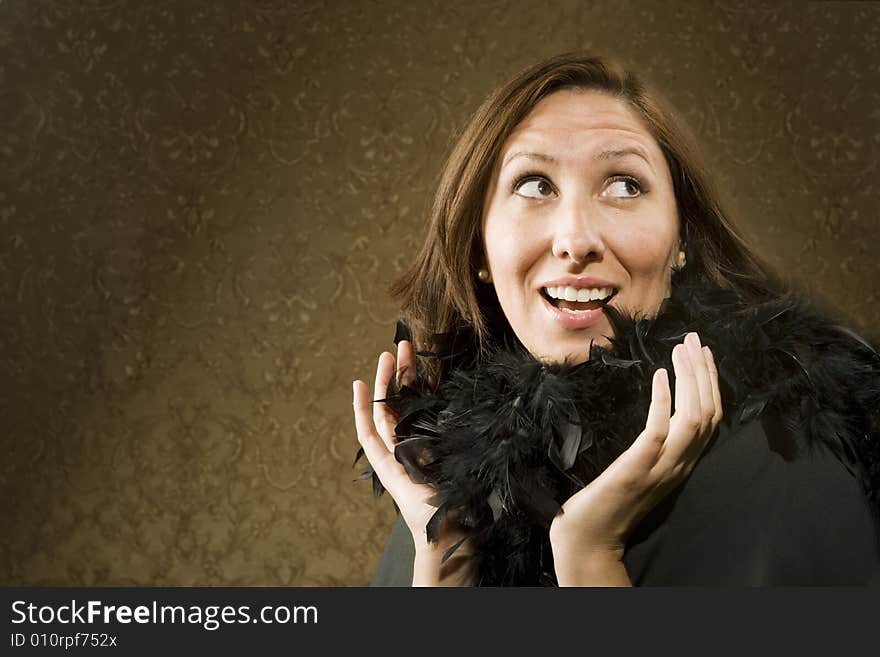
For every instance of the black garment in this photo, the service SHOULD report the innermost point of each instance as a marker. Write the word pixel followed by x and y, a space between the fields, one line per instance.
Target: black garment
pixel 784 495
pixel 745 517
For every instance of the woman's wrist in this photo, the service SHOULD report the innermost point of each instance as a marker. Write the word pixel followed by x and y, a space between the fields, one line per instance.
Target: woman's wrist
pixel 596 569
pixel 580 563
pixel 429 569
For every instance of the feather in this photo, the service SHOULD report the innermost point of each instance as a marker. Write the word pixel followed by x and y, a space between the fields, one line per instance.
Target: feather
pixel 571 444
pixel 402 332
pixel 452 550
pixel 366 474
pixel 358 456
pixel 855 336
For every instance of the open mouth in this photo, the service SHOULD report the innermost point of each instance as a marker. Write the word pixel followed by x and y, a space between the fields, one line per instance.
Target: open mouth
pixel 578 300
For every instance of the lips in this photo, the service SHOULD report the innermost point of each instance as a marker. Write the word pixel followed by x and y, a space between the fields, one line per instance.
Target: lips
pixel 578 281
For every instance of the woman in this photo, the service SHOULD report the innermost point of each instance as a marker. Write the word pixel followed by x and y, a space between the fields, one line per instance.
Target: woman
pixel 576 253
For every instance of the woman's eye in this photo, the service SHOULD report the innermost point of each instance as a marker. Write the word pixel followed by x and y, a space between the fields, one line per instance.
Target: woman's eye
pixel 624 187
pixel 534 188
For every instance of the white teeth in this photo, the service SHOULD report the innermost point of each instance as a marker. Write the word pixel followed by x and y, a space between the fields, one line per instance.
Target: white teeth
pixel 579 294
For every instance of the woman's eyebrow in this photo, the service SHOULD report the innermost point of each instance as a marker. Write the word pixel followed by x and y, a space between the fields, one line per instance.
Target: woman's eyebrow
pixel 604 154
pixel 618 153
pixel 530 155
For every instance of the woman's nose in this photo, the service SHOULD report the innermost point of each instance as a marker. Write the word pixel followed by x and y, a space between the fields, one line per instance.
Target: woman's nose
pixel 577 234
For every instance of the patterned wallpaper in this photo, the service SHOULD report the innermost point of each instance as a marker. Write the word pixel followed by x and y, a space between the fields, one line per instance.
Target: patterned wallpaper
pixel 202 204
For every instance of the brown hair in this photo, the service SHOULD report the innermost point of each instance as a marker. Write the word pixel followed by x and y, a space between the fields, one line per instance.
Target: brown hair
pixel 440 291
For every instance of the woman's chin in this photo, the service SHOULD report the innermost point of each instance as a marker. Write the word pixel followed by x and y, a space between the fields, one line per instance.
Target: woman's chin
pixel 573 355
pixel 570 357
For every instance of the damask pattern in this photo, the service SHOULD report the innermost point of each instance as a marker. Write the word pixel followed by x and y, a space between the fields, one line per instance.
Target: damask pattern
pixel 203 203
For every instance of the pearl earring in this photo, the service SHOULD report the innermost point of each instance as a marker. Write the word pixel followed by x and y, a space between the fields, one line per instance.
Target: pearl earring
pixel 682 259
pixel 483 275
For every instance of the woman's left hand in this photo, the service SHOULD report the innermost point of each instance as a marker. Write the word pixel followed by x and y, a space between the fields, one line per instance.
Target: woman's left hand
pixel 589 536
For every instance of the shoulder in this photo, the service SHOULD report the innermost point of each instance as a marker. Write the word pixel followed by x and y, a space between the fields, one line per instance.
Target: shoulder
pixel 812 382
pixel 815 521
pixel 786 474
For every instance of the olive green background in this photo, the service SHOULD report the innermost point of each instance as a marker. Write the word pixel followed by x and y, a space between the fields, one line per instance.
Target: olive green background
pixel 202 205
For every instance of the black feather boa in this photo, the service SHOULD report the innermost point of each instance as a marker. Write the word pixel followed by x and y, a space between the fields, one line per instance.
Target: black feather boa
pixel 506 439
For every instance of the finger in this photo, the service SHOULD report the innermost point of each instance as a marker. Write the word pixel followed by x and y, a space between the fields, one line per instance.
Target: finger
pixel 406 363
pixel 704 383
pixel 375 448
pixel 382 416
pixel 686 393
pixel 657 424
pixel 716 391
pixel 685 423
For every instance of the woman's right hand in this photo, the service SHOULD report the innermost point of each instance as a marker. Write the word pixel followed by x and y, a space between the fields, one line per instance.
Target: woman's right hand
pixel 589 537
pixel 375 428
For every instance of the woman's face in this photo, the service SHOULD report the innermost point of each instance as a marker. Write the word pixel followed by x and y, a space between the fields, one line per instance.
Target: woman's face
pixel 581 207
